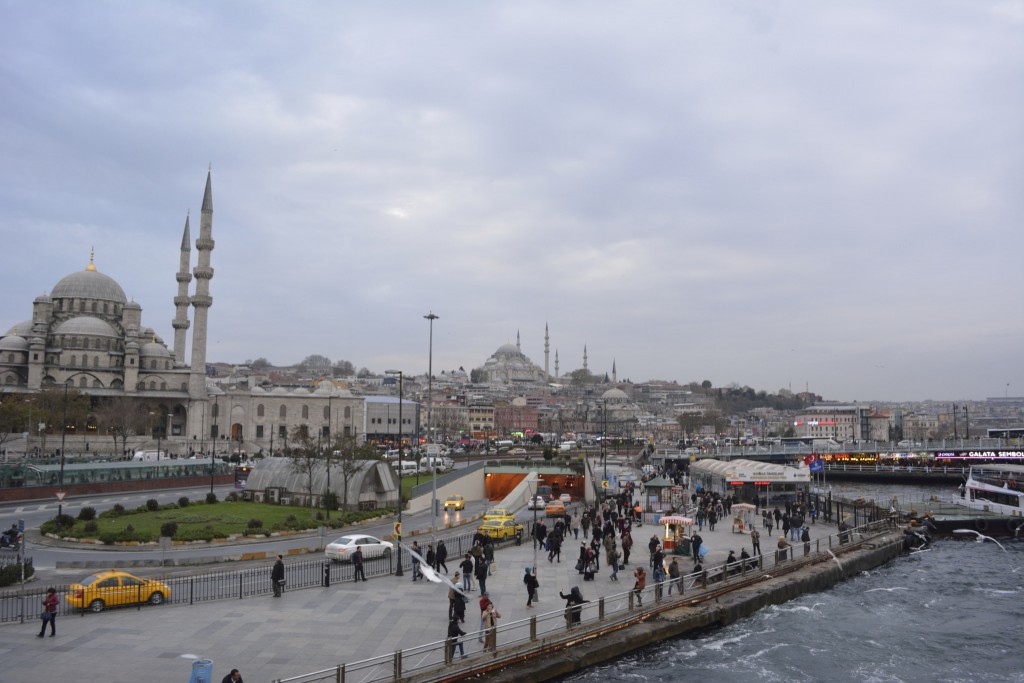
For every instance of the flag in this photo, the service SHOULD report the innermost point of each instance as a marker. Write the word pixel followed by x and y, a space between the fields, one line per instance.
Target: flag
pixel 808 459
pixel 817 466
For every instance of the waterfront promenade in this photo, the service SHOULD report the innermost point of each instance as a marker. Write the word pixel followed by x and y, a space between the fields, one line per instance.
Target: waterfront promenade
pixel 311 629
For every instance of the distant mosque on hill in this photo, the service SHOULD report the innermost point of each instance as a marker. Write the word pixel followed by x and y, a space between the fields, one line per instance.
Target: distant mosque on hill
pixel 509 365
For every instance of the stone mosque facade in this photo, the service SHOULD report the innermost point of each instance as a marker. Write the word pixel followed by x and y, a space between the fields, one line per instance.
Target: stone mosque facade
pixel 85 334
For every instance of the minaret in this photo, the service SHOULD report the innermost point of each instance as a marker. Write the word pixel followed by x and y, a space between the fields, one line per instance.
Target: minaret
pixel 201 300
pixel 180 322
pixel 615 379
pixel 547 354
pixel 519 344
pixel 584 356
pixel 556 363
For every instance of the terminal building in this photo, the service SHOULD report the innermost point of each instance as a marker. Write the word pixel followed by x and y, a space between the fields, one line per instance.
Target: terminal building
pixel 761 483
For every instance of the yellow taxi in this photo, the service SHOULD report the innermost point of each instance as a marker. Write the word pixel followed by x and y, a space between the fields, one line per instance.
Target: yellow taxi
pixel 502 529
pixel 496 514
pixel 115 588
pixel 454 503
pixel 555 508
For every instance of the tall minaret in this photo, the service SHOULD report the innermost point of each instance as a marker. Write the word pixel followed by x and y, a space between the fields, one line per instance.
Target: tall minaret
pixel 615 379
pixel 180 322
pixel 547 354
pixel 556 363
pixel 201 300
pixel 584 356
pixel 519 344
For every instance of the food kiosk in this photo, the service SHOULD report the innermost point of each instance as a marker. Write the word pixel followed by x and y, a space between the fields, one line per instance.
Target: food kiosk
pixel 677 528
pixel 743 517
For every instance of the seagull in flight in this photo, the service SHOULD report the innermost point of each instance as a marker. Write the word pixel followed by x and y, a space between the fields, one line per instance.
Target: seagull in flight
pixel 981 537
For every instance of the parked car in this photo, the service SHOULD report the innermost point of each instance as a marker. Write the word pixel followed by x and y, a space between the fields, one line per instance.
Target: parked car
pixel 501 529
pixel 566 498
pixel 495 514
pixel 518 451
pixel 342 549
pixel 455 503
pixel 113 589
pixel 537 503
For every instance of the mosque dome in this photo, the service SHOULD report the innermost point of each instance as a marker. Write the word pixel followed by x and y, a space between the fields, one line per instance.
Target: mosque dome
pixel 507 350
pixel 154 349
pixel 615 395
pixel 13 343
pixel 86 325
pixel 89 284
pixel 22 329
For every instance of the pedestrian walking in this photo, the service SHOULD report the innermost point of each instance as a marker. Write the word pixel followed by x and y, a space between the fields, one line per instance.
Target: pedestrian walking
pixel 431 557
pixel 416 572
pixel 755 541
pixel 639 584
pixel 442 556
pixel 532 584
pixel 453 639
pixel 357 564
pixel 277 576
pixel 49 613
pixel 673 576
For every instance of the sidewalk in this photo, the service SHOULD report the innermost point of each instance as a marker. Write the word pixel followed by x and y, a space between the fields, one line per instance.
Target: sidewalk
pixel 311 629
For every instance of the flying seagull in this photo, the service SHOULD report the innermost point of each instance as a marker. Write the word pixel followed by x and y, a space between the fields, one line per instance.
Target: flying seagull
pixel 981 537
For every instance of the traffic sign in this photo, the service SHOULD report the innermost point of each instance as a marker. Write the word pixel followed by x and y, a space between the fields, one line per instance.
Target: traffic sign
pixel 21 526
pixel 398 530
pixel 605 484
pixel 60 495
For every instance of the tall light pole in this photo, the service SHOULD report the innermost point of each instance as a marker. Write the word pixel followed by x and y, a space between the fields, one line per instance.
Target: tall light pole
pixel 63 431
pixel 330 446
pixel 398 529
pixel 430 414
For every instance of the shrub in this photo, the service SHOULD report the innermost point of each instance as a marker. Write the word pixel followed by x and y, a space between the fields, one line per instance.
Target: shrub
pixel 169 529
pixel 233 497
pixel 319 516
pixel 196 535
pixel 129 534
pixel 291 519
pixel 129 529
pixel 10 574
pixel 211 498
pixel 117 510
pixel 183 502
pixel 255 524
pixel 90 527
pixel 152 505
pixel 64 521
pixel 86 514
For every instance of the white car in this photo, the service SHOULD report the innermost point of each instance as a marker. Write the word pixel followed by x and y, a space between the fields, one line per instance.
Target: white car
pixel 565 498
pixel 518 451
pixel 342 549
pixel 537 503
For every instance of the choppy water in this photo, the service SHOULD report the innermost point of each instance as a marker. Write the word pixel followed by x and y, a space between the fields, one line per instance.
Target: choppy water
pixel 953 614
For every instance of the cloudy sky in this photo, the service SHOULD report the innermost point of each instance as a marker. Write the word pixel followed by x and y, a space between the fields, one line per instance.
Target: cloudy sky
pixel 780 194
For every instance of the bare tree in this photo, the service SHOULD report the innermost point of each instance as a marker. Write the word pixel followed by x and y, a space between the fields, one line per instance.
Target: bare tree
pixel 122 417
pixel 14 416
pixel 55 405
pixel 316 364
pixel 305 456
pixel 348 458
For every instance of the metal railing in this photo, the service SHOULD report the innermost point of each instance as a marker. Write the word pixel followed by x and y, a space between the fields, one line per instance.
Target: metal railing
pixel 551 631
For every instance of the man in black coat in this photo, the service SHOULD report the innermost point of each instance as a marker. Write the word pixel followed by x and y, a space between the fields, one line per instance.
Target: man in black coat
pixel 277 576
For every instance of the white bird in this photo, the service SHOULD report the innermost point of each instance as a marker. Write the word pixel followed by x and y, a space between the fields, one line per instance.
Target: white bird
pixel 981 537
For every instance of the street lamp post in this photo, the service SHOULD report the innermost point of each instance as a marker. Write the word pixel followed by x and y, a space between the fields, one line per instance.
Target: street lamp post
pixel 430 414
pixel 63 431
pixel 330 447
pixel 398 535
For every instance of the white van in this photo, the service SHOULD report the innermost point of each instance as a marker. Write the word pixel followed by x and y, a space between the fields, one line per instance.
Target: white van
pixel 149 456
pixel 408 467
pixel 431 463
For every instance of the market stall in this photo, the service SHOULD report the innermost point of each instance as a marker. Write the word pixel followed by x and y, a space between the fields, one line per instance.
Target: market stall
pixel 743 517
pixel 677 532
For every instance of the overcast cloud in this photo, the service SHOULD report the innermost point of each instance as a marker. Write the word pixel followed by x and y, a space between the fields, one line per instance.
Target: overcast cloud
pixel 776 194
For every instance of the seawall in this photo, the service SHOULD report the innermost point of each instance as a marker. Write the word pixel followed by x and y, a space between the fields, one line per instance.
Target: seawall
pixel 714 610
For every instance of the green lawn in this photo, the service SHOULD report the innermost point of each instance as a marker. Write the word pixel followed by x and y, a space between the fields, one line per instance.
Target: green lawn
pixel 217 520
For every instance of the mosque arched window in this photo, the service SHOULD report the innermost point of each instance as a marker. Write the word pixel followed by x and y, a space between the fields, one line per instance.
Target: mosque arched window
pixel 9 379
pixel 94 308
pixel 105 308
pixel 163 386
pixel 167 365
pixel 74 361
pixel 215 410
pixel 327 413
pixel 83 381
pixel 283 413
pixel 152 365
pixel 259 410
pixel 348 412
pixel 10 358
pixel 96 384
pixel 152 386
pixel 305 412
pixel 95 361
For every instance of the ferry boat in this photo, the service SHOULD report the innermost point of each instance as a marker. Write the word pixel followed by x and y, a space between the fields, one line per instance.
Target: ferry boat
pixel 996 488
